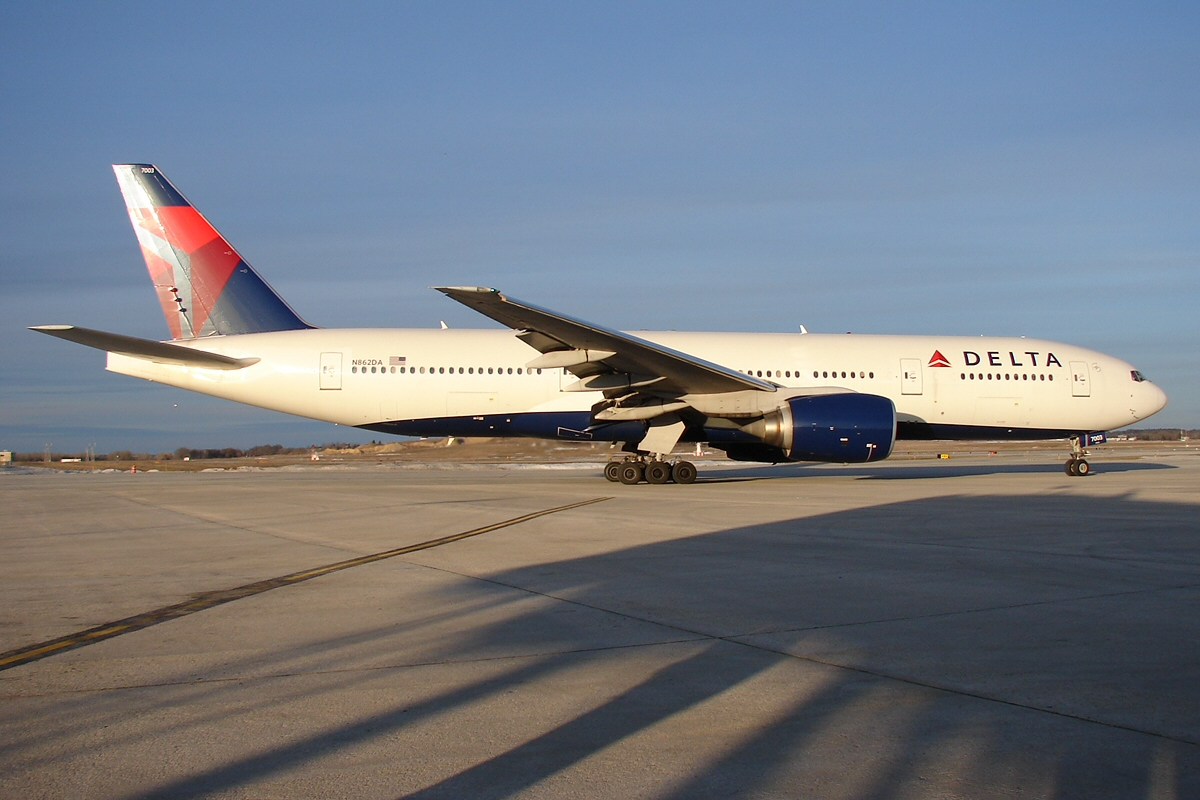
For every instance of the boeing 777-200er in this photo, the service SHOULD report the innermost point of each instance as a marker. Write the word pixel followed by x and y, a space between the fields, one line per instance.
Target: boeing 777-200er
pixel 759 397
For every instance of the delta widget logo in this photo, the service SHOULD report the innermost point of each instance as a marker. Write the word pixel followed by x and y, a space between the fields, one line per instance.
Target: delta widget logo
pixel 938 360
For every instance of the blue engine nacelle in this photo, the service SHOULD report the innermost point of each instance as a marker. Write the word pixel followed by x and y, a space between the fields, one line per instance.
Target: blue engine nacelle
pixel 847 428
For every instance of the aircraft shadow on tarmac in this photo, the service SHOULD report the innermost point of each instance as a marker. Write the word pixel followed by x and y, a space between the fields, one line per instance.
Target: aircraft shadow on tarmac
pixel 1000 644
pixel 895 472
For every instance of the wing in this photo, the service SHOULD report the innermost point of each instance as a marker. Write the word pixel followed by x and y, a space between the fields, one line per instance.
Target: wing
pixel 604 359
pixel 160 352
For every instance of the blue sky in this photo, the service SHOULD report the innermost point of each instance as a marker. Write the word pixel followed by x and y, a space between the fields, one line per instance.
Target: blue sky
pixel 1024 169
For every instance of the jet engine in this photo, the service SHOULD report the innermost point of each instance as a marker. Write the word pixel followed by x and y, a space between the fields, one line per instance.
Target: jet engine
pixel 845 428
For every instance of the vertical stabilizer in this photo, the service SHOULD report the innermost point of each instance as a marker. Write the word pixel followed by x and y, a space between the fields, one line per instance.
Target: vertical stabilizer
pixel 204 286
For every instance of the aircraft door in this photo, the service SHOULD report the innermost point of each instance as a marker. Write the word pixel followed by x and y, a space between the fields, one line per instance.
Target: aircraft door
pixel 1081 382
pixel 331 371
pixel 910 376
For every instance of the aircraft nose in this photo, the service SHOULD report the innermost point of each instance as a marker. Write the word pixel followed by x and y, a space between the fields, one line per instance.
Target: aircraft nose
pixel 1158 399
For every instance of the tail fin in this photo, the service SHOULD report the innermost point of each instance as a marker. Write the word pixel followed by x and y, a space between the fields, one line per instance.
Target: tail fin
pixel 204 286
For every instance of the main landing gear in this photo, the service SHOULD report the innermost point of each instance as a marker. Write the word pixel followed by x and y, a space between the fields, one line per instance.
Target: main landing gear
pixel 632 471
pixel 1076 465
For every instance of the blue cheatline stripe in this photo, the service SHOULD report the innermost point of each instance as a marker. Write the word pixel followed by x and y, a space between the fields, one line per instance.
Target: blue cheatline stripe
pixel 928 431
pixel 568 425
pixel 574 425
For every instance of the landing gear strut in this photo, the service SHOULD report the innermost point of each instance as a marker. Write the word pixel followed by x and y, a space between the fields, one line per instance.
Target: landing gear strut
pixel 1077 465
pixel 636 468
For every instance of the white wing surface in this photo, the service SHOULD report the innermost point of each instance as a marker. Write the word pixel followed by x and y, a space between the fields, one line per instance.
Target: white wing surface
pixel 604 359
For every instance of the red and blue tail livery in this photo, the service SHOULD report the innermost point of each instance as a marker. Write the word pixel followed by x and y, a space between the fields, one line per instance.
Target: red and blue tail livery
pixel 204 286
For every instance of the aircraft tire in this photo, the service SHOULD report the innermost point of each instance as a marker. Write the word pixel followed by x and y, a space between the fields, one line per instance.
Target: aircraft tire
pixel 612 471
pixel 631 474
pixel 657 472
pixel 1082 468
pixel 1070 466
pixel 684 472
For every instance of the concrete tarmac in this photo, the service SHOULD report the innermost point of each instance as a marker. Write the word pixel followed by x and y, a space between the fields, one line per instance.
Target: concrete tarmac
pixel 985 628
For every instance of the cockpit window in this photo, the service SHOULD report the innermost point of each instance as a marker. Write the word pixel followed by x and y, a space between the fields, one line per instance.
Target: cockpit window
pixel 1137 376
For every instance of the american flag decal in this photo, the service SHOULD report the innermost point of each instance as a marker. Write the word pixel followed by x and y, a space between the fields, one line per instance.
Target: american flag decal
pixel 397 361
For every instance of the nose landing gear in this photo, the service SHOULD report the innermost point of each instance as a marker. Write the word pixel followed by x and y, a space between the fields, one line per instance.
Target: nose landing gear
pixel 1078 467
pixel 632 471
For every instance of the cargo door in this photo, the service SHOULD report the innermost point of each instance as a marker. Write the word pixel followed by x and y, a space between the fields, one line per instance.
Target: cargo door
pixel 1081 382
pixel 331 371
pixel 910 376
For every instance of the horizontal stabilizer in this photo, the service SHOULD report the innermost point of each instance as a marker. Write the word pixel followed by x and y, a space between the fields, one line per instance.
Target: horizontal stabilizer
pixel 159 352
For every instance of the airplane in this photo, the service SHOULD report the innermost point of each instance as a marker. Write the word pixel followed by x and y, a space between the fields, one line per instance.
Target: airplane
pixel 760 397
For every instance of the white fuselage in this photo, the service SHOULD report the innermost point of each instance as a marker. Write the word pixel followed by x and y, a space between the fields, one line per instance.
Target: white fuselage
pixel 367 377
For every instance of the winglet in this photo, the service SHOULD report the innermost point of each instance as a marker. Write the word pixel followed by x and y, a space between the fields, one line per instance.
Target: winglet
pixel 450 290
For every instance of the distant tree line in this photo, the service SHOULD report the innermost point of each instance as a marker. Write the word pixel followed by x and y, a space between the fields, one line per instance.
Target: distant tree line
pixel 258 451
pixel 192 454
pixel 262 450
pixel 1158 434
